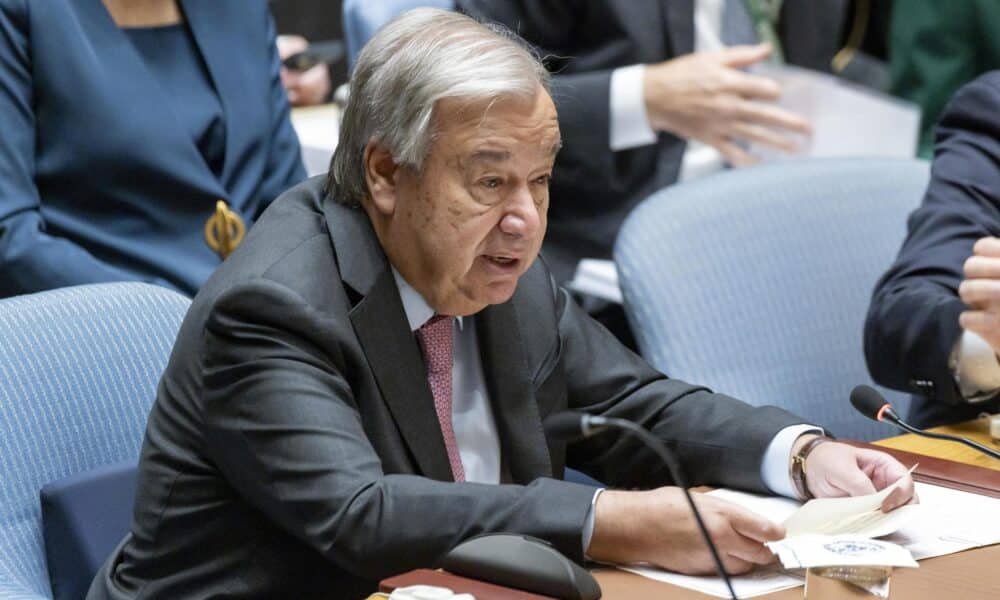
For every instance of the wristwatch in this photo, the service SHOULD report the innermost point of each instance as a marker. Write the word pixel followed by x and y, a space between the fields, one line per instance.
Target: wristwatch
pixel 798 465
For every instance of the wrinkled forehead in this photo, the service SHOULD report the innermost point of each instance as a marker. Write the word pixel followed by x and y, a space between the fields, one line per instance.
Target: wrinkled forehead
pixel 487 127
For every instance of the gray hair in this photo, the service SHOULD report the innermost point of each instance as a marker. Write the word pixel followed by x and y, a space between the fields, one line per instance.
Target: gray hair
pixel 418 58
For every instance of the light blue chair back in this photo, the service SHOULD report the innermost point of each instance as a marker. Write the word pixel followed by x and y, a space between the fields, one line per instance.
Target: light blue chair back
pixel 362 18
pixel 756 281
pixel 78 373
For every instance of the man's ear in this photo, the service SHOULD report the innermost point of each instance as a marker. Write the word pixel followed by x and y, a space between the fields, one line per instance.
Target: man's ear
pixel 381 172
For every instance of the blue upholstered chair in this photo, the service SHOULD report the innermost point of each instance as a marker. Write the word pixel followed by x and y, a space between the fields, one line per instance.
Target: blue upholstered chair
pixel 756 281
pixel 362 18
pixel 78 374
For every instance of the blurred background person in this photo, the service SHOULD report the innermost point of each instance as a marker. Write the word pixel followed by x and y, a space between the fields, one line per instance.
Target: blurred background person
pixel 306 76
pixel 125 123
pixel 649 94
pixel 311 48
pixel 933 327
pixel 935 48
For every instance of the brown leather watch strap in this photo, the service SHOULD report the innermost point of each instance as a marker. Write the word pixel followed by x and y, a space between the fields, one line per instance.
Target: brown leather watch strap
pixel 798 466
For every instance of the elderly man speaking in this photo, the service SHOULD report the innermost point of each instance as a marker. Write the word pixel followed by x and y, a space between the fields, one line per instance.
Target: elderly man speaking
pixel 361 386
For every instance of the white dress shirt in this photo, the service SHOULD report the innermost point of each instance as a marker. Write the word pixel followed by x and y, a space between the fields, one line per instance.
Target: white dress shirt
pixel 976 369
pixel 476 430
pixel 629 126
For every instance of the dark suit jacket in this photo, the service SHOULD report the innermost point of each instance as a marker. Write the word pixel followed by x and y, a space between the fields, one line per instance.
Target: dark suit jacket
pixel 293 449
pixel 912 323
pixel 98 179
pixel 583 41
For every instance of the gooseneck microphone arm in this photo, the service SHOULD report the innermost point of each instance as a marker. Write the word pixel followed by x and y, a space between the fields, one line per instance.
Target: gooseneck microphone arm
pixel 871 404
pixel 944 436
pixel 570 425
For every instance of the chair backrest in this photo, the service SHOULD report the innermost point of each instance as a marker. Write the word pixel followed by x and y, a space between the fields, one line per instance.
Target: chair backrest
pixel 756 282
pixel 362 18
pixel 78 374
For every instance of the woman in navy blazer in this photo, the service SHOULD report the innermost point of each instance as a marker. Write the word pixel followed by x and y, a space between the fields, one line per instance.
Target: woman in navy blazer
pixel 103 174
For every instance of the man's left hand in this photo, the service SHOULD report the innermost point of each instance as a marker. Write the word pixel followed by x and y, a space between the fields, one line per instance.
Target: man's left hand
pixel 835 470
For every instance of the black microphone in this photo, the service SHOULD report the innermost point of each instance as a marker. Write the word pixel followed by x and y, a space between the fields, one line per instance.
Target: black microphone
pixel 570 425
pixel 873 405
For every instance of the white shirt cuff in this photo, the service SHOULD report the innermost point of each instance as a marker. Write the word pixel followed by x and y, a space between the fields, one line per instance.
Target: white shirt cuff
pixel 629 127
pixel 588 525
pixel 774 470
pixel 976 370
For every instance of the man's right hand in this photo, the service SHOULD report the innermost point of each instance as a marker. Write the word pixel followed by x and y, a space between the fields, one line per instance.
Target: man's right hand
pixel 705 96
pixel 657 527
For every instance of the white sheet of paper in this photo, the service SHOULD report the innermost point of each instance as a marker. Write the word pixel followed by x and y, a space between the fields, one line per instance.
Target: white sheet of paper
pixel 952 521
pixel 847 550
pixel 757 583
pixel 860 515
pixel 847 119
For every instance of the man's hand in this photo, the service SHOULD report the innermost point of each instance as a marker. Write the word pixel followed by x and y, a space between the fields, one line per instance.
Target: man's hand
pixel 657 527
pixel 981 292
pixel 835 470
pixel 704 96
pixel 304 88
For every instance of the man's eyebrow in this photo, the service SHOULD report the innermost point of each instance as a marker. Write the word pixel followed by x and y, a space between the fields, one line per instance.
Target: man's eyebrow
pixel 489 155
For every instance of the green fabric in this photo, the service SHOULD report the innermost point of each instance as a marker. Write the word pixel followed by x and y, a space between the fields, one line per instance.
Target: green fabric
pixel 936 46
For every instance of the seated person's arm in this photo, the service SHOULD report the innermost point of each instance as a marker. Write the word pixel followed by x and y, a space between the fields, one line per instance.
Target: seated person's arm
pixel 913 323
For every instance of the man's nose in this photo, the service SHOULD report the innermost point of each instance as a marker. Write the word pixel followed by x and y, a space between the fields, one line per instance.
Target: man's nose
pixel 521 218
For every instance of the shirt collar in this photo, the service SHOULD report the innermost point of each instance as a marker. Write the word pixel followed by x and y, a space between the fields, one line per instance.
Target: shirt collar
pixel 417 310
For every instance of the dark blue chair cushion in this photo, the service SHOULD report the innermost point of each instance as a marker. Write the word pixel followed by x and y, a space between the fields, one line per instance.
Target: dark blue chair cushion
pixel 83 518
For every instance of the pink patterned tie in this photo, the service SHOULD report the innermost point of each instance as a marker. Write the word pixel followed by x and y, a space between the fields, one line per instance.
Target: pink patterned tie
pixel 435 337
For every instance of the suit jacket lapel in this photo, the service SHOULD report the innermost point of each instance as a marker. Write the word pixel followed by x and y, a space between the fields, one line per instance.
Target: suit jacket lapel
pixel 204 19
pixel 505 368
pixel 380 323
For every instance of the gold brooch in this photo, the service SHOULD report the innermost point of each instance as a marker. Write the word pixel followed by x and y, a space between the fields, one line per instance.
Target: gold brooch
pixel 224 230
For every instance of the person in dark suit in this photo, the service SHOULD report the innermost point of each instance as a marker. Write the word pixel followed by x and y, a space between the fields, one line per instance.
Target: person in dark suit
pixel 932 328
pixel 637 81
pixel 124 125
pixel 362 385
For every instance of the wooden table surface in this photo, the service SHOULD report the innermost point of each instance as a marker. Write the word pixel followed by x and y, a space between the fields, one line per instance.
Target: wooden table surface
pixel 969 575
pixel 976 430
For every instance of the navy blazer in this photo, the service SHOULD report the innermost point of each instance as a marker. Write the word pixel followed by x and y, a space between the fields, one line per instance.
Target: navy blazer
pixel 912 323
pixel 98 179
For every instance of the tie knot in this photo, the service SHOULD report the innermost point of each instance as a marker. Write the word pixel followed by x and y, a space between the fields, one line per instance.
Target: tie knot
pixel 435 337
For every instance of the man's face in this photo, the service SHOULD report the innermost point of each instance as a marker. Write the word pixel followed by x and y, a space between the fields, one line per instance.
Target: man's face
pixel 465 229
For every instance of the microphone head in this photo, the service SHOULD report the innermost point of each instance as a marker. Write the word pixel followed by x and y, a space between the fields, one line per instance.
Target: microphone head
pixel 564 426
pixel 869 402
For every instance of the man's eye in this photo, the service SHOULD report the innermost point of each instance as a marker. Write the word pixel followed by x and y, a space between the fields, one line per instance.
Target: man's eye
pixel 490 182
pixel 544 179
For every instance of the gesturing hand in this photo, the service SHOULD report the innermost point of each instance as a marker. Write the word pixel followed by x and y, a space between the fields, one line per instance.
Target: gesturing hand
pixel 981 291
pixel 704 96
